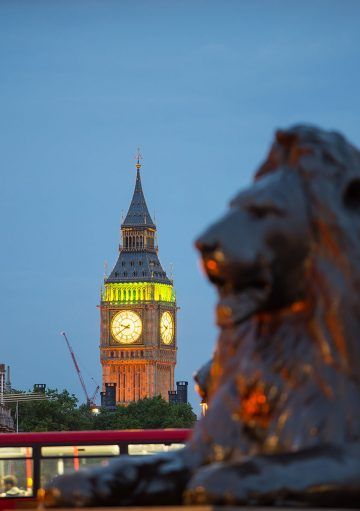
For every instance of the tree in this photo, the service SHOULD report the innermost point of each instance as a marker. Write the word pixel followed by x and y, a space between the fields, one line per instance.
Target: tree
pixel 60 412
pixel 181 416
pixel 157 413
pixel 147 413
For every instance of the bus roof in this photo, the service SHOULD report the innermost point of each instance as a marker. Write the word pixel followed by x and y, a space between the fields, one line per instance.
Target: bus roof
pixel 96 437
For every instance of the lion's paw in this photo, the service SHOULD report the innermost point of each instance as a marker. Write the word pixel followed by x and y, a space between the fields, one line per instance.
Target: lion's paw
pixel 215 484
pixel 73 490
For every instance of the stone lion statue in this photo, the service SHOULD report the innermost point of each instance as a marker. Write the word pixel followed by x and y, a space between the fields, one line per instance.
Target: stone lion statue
pixel 283 387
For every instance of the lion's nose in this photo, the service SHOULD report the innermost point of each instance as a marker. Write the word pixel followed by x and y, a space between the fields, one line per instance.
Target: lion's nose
pixel 205 245
pixel 212 255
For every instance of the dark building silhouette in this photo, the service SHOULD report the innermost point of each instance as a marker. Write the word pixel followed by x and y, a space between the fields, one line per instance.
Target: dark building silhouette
pixel 40 388
pixel 108 397
pixel 6 421
pixel 180 395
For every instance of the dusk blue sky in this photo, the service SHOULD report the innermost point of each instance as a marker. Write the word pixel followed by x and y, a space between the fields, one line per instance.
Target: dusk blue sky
pixel 200 86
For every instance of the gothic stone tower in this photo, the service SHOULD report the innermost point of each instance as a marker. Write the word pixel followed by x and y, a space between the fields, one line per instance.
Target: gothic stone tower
pixel 138 312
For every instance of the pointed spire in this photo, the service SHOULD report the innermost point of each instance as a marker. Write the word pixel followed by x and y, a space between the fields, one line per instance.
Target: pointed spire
pixel 138 254
pixel 138 214
pixel 138 157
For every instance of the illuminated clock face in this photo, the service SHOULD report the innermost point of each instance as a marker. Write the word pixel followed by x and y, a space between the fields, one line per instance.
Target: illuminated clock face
pixel 126 326
pixel 167 328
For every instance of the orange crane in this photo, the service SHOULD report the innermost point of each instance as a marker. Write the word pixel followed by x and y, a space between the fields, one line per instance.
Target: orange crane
pixel 90 401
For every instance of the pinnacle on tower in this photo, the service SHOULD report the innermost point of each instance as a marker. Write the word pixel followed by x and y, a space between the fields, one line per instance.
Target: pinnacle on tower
pixel 138 157
pixel 138 214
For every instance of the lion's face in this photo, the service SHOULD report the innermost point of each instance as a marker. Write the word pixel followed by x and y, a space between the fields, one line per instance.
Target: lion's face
pixel 256 253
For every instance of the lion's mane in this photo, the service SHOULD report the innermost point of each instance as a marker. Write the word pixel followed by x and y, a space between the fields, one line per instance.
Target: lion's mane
pixel 287 380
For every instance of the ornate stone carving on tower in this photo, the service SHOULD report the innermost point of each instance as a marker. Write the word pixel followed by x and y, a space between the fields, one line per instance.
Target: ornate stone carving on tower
pixel 138 312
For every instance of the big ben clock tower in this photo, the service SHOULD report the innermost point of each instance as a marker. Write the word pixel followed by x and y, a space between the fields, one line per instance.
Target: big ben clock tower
pixel 138 312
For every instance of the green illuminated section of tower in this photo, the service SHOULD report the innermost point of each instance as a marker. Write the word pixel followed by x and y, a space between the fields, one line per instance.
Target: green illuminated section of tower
pixel 135 292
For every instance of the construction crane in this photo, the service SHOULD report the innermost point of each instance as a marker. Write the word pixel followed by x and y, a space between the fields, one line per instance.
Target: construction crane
pixel 90 401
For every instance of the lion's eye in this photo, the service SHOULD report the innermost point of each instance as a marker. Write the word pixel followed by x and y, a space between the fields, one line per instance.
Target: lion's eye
pixel 259 211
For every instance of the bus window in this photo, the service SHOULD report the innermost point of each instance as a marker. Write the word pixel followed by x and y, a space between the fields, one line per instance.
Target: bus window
pixel 80 450
pixel 16 472
pixel 142 449
pixel 57 460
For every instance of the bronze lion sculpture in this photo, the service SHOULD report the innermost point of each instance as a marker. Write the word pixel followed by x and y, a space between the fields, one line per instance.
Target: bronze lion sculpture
pixel 283 388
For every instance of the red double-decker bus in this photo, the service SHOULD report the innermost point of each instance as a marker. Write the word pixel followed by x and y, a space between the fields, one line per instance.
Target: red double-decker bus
pixel 31 460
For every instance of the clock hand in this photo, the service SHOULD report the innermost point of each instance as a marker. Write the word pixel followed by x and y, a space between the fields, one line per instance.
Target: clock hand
pixel 126 326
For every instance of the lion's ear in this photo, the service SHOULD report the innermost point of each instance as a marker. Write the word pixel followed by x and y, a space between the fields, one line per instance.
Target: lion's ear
pixel 351 195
